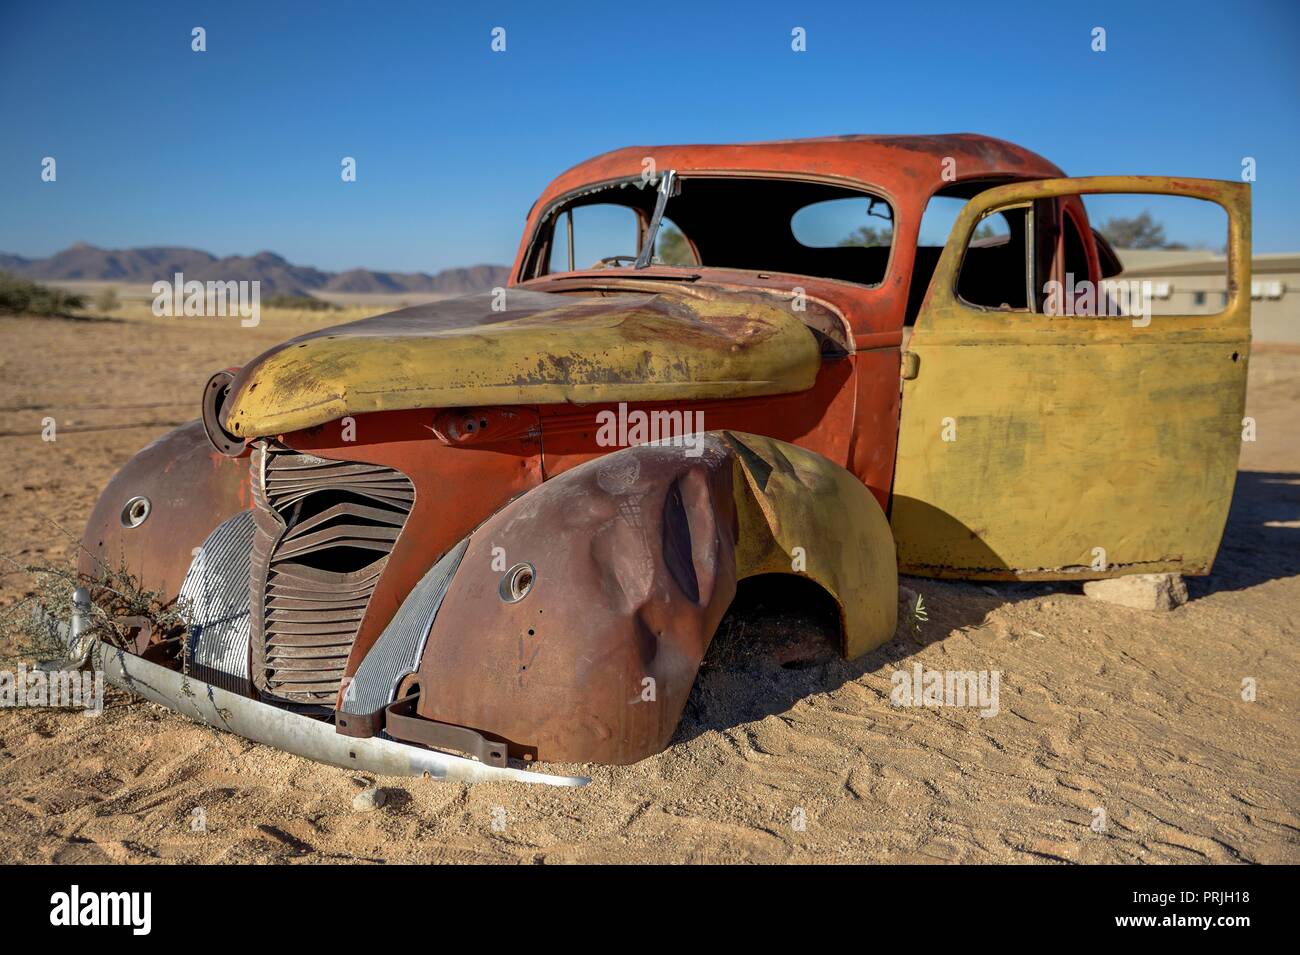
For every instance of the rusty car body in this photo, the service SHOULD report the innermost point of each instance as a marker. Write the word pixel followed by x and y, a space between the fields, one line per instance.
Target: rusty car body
pixel 407 532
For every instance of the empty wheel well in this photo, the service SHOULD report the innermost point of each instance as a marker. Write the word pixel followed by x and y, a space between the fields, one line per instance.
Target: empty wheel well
pixel 780 640
pixel 777 617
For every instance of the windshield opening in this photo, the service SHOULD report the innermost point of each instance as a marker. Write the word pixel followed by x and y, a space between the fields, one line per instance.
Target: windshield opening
pixel 771 225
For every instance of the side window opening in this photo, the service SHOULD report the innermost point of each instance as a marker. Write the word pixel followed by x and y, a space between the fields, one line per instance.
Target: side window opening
pixel 587 236
pixel 1008 265
pixel 672 247
pixel 995 270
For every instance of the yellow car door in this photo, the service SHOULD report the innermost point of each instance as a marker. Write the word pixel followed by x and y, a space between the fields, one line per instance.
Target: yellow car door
pixel 1044 446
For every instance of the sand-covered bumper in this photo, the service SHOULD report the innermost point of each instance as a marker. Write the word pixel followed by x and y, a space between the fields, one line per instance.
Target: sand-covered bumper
pixel 294 733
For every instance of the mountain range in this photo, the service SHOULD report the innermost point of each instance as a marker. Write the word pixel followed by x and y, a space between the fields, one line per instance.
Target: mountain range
pixel 87 263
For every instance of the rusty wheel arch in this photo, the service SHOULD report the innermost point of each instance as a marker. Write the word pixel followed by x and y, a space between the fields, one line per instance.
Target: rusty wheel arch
pixel 637 556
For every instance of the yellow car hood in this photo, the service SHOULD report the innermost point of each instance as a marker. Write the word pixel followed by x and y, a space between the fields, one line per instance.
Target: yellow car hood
pixel 542 348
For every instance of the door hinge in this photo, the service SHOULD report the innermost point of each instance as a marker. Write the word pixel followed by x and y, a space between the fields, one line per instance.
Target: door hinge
pixel 911 365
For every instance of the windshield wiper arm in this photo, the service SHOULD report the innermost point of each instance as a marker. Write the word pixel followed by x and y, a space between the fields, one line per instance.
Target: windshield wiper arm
pixel 667 186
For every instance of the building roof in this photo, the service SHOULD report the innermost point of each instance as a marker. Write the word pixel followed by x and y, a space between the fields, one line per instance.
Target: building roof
pixel 1145 260
pixel 1162 262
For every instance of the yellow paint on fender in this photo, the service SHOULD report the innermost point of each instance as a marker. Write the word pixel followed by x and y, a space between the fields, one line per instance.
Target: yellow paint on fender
pixel 542 349
pixel 804 515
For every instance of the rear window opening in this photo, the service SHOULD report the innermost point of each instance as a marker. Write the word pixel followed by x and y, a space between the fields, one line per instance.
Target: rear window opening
pixel 768 225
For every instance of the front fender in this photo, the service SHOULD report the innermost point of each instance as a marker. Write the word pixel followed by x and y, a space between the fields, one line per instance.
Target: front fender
pixel 189 489
pixel 579 614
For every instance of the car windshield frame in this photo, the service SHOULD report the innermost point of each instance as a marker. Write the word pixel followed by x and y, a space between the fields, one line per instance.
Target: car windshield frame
pixel 537 251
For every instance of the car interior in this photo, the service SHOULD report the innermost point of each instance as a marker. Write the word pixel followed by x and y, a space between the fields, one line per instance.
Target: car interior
pixel 799 228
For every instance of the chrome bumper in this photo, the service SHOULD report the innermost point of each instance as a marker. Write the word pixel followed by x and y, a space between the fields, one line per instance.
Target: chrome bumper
pixel 301 735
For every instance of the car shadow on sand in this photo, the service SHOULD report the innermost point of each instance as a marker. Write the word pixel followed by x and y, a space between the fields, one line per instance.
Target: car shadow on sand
pixel 1262 539
pixel 778 643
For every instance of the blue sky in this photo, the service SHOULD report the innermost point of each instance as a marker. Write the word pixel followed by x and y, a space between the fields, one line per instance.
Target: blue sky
pixel 238 149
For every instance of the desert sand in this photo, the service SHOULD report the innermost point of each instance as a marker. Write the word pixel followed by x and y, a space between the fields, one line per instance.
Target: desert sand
pixel 1136 713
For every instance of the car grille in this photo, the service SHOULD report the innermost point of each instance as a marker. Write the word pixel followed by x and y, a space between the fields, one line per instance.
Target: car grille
pixel 324 533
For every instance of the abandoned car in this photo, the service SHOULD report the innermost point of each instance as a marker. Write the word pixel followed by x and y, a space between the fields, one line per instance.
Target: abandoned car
pixel 501 529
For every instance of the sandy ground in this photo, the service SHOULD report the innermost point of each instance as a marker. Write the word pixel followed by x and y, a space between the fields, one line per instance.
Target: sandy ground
pixel 1134 713
pixel 132 292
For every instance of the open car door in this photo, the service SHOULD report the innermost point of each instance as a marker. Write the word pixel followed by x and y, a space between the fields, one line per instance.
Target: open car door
pixel 1043 446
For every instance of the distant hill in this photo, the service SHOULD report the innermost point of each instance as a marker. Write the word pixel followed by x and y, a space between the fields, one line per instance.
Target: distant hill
pixel 87 263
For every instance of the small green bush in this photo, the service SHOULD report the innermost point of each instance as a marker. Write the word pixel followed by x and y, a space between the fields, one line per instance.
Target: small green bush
pixel 106 301
pixel 18 296
pixel 304 303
